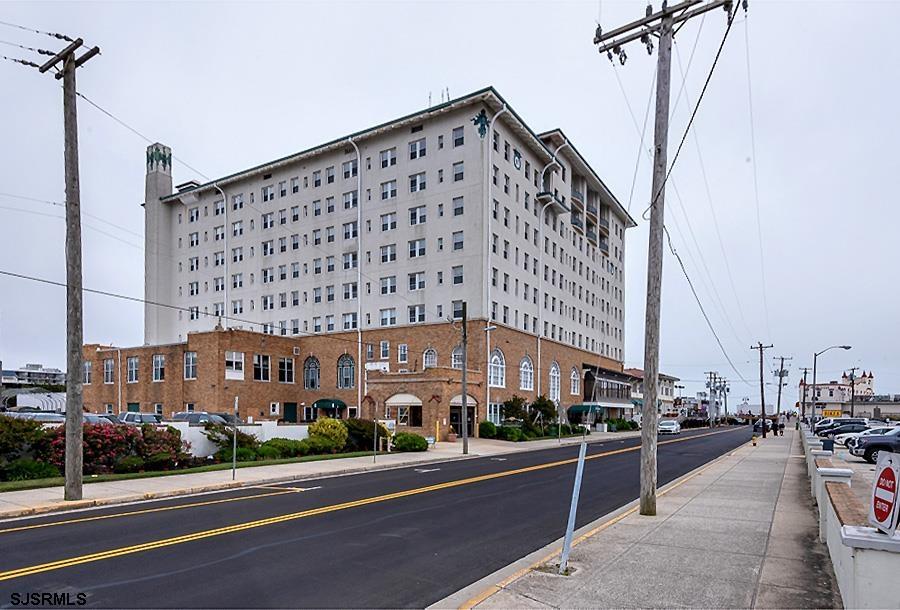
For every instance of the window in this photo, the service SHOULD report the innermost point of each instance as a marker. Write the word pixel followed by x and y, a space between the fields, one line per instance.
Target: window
pixel 389 253
pixel 459 137
pixel 457 240
pixel 389 316
pixel 234 365
pixel 574 382
pixel 495 410
pixel 190 365
pixel 350 290
pixel 417 148
pixel 194 239
pixel 237 202
pixel 108 368
pixel 345 372
pixel 554 382
pixel 526 374
pixel 349 320
pixel 193 214
pixel 388 157
pixel 416 314
pixel 389 221
pixel 456 357
pixel 260 367
pixel 311 374
pixel 389 284
pixel 458 206
pixel 158 408
pixel 329 235
pixel 351 200
pixel 458 171
pixel 457 310
pixel 350 168
pixel 416 248
pixel 417 215
pixel 389 189
pixel 417 182
pixel 350 260
pixel 385 349
pixel 132 364
pixel 403 353
pixel 458 275
pixel 268 193
pixel 417 280
pixel 219 233
pixel 429 358
pixel 497 370
pixel 286 370
pixel 350 229
pixel 86 373
pixel 159 367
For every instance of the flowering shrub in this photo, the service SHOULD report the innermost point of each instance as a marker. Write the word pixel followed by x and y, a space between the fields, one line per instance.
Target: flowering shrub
pixel 156 442
pixel 331 429
pixel 103 447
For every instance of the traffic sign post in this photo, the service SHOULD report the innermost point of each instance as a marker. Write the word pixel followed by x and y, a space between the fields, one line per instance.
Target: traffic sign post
pixel 883 510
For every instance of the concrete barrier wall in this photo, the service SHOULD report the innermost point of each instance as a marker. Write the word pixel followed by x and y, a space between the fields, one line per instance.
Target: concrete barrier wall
pixel 201 446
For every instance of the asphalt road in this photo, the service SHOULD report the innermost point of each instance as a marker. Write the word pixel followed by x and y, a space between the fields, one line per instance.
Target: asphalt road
pixel 396 538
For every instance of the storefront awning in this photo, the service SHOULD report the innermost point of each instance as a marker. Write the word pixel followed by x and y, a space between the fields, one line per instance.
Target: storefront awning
pixel 583 408
pixel 403 400
pixel 329 404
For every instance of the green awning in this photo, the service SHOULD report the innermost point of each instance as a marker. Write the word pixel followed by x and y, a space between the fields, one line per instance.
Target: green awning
pixel 329 403
pixel 583 408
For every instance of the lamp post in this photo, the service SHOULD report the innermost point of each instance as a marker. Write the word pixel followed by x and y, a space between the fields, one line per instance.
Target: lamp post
pixel 816 355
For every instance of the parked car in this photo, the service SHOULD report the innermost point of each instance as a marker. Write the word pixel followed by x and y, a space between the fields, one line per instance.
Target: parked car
pixel 868 447
pixel 669 426
pixel 198 417
pixel 91 418
pixel 228 417
pixel 45 417
pixel 136 419
pixel 833 422
pixel 842 429
pixel 111 418
pixel 757 426
pixel 849 439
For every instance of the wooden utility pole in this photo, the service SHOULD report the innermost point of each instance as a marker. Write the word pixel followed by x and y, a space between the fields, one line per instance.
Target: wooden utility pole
pixel 464 415
pixel 74 332
pixel 781 373
pixel 711 386
pixel 658 24
pixel 762 389
pixel 805 370
pixel 853 390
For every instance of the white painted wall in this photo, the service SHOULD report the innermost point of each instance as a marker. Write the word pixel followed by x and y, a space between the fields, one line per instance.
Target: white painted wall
pixel 201 446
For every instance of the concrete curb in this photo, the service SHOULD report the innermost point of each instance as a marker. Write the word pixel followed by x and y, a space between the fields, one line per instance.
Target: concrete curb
pixel 63 506
pixel 491 584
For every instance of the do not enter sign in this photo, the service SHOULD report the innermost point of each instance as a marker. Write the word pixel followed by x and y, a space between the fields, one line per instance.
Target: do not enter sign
pixel 883 509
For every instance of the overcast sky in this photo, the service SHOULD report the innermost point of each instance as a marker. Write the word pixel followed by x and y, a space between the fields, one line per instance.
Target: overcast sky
pixel 229 86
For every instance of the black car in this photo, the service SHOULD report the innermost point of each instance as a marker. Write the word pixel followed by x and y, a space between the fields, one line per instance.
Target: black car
pixel 868 447
pixel 830 423
pixel 832 432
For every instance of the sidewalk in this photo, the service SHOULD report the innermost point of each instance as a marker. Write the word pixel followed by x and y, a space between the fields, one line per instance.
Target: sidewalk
pixel 739 533
pixel 50 499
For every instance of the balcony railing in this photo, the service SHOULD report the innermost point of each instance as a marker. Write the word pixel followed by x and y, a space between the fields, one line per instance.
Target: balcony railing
pixel 592 208
pixel 604 222
pixel 577 222
pixel 592 235
pixel 604 244
pixel 576 194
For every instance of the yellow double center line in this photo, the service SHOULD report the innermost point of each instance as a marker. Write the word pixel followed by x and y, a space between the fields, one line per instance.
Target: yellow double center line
pixel 148 546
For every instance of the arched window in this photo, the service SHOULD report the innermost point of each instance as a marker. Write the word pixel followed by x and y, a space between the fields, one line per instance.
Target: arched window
pixel 526 374
pixel 456 358
pixel 554 382
pixel 497 370
pixel 345 372
pixel 311 374
pixel 429 358
pixel 574 382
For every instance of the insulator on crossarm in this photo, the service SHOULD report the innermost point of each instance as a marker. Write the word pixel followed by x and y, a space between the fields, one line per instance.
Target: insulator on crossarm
pixel 598 33
pixel 609 54
pixel 623 57
pixel 649 10
pixel 744 5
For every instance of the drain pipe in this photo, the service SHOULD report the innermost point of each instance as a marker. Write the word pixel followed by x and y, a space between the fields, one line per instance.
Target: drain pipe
pixel 464 417
pixel 359 231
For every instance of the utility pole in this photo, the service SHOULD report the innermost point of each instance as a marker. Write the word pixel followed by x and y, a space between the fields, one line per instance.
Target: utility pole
pixel 781 373
pixel 710 384
pixel 805 370
pixel 725 390
pixel 659 24
pixel 74 330
pixel 762 391
pixel 853 390
pixel 464 415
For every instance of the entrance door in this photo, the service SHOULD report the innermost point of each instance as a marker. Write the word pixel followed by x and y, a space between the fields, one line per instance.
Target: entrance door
pixel 290 412
pixel 134 407
pixel 455 413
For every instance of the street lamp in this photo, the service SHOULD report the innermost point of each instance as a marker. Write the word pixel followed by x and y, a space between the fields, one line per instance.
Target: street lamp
pixel 814 397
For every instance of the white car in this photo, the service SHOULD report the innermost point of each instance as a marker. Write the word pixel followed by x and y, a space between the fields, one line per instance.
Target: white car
pixel 669 426
pixel 849 439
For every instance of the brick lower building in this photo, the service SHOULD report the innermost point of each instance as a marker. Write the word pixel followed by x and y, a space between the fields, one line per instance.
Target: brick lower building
pixel 412 375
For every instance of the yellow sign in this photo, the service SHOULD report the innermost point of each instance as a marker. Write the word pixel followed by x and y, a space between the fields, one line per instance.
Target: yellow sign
pixel 832 413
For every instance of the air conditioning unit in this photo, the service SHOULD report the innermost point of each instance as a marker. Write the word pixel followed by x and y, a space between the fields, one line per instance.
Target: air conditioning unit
pixel 296 351
pixel 403 370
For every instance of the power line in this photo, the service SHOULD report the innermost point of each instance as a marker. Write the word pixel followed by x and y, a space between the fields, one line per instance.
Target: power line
pixel 23 62
pixel 62 205
pixel 33 30
pixel 26 48
pixel 762 264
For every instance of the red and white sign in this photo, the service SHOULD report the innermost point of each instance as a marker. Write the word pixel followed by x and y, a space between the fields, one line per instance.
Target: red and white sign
pixel 883 509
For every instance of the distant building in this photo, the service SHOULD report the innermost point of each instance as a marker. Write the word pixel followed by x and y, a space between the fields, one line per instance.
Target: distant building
pixel 32 375
pixel 836 395
pixel 666 391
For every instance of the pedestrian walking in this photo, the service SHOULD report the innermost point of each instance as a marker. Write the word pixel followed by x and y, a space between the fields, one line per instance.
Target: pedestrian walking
pixel 781 423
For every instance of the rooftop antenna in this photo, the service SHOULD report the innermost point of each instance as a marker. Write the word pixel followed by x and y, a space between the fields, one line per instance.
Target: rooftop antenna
pixel 429 99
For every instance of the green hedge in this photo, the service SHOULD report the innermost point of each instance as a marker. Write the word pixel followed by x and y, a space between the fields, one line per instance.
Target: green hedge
pixel 407 441
pixel 487 429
